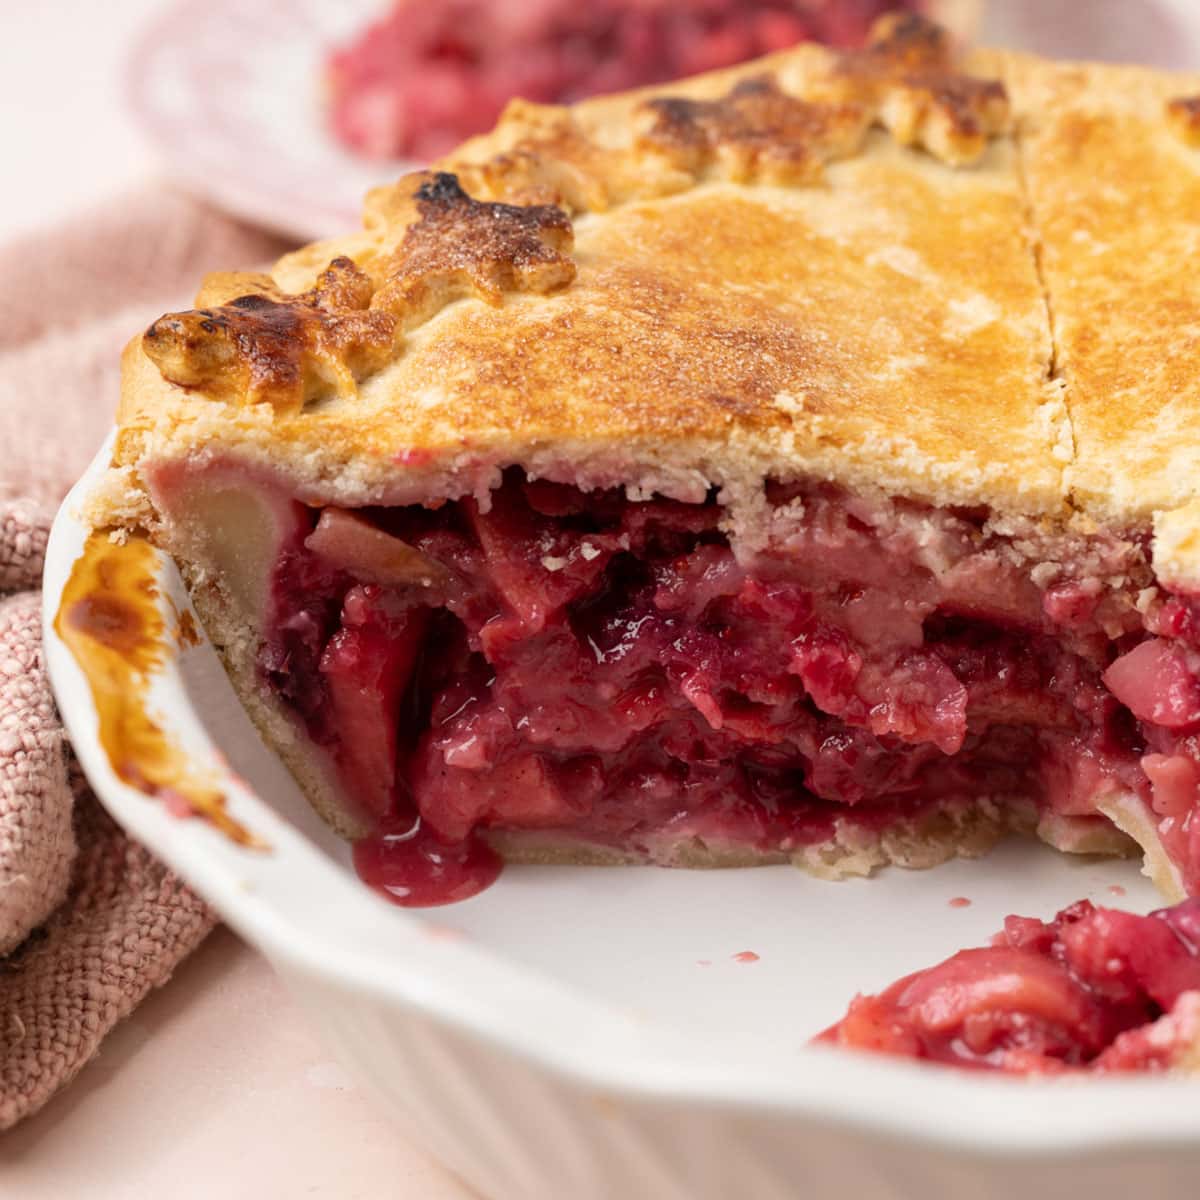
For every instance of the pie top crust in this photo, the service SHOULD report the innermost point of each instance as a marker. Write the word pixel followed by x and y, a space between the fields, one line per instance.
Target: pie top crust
pixel 1111 160
pixel 868 267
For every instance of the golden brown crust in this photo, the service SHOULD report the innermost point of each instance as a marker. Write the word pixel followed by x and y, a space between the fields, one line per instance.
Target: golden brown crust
pixel 461 247
pixel 548 154
pixel 436 244
pixel 909 73
pixel 885 327
pixel 906 79
pixel 606 152
pixel 264 346
pixel 1115 200
pixel 260 344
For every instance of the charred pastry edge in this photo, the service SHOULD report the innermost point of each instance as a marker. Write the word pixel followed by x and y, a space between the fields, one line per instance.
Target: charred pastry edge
pixel 1183 114
pixel 908 74
pixel 460 247
pixel 756 131
pixel 437 244
pixel 266 346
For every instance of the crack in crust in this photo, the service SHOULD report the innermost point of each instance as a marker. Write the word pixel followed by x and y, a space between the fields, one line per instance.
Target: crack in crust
pixel 252 343
pixel 462 247
pixel 757 131
pixel 1183 113
pixel 263 346
pixel 908 74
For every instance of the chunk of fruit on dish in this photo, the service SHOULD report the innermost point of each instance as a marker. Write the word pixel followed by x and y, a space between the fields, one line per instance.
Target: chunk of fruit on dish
pixel 1096 989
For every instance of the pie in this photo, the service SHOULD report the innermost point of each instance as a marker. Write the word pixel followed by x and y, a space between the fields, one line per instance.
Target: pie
pixel 1096 989
pixel 796 463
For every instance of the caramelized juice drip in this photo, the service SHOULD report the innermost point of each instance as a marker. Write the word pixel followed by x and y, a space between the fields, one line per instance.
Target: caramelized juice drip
pixel 110 620
pixel 186 633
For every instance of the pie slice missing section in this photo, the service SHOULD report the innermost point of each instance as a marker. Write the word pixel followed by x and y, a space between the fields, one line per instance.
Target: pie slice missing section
pixel 681 477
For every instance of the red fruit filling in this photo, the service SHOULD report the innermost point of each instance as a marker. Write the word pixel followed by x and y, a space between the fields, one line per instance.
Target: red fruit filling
pixel 1095 989
pixel 426 76
pixel 590 670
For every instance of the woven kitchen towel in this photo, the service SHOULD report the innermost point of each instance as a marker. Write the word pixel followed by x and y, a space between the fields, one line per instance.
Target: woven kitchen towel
pixel 89 921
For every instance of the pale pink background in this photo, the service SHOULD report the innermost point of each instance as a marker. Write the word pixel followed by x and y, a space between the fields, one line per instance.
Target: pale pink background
pixel 216 1087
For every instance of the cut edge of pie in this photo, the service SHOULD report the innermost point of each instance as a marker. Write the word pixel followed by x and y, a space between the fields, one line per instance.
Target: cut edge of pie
pixel 686 476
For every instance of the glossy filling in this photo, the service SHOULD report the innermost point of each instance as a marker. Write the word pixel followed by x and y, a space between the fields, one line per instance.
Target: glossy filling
pixel 590 670
pixel 1094 989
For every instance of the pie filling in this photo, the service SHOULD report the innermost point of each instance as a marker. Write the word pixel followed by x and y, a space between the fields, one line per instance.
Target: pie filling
pixel 637 679
pixel 1095 989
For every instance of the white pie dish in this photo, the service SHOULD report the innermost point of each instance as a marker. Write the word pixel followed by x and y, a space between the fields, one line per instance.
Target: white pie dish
pixel 547 1040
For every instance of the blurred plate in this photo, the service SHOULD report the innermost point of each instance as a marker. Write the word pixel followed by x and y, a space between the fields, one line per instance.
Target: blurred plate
pixel 1159 33
pixel 229 94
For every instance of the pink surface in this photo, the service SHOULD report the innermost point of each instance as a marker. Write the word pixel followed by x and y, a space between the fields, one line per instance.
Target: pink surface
pixel 216 1087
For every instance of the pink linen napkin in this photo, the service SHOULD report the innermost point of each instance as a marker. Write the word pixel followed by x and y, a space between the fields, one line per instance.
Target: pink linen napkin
pixel 89 920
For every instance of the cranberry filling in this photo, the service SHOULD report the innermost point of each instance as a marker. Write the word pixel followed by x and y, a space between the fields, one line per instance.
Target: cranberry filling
pixel 1095 989
pixel 612 673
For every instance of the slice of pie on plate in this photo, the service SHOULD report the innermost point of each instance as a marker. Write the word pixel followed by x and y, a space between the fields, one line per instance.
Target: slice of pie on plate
pixel 794 463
